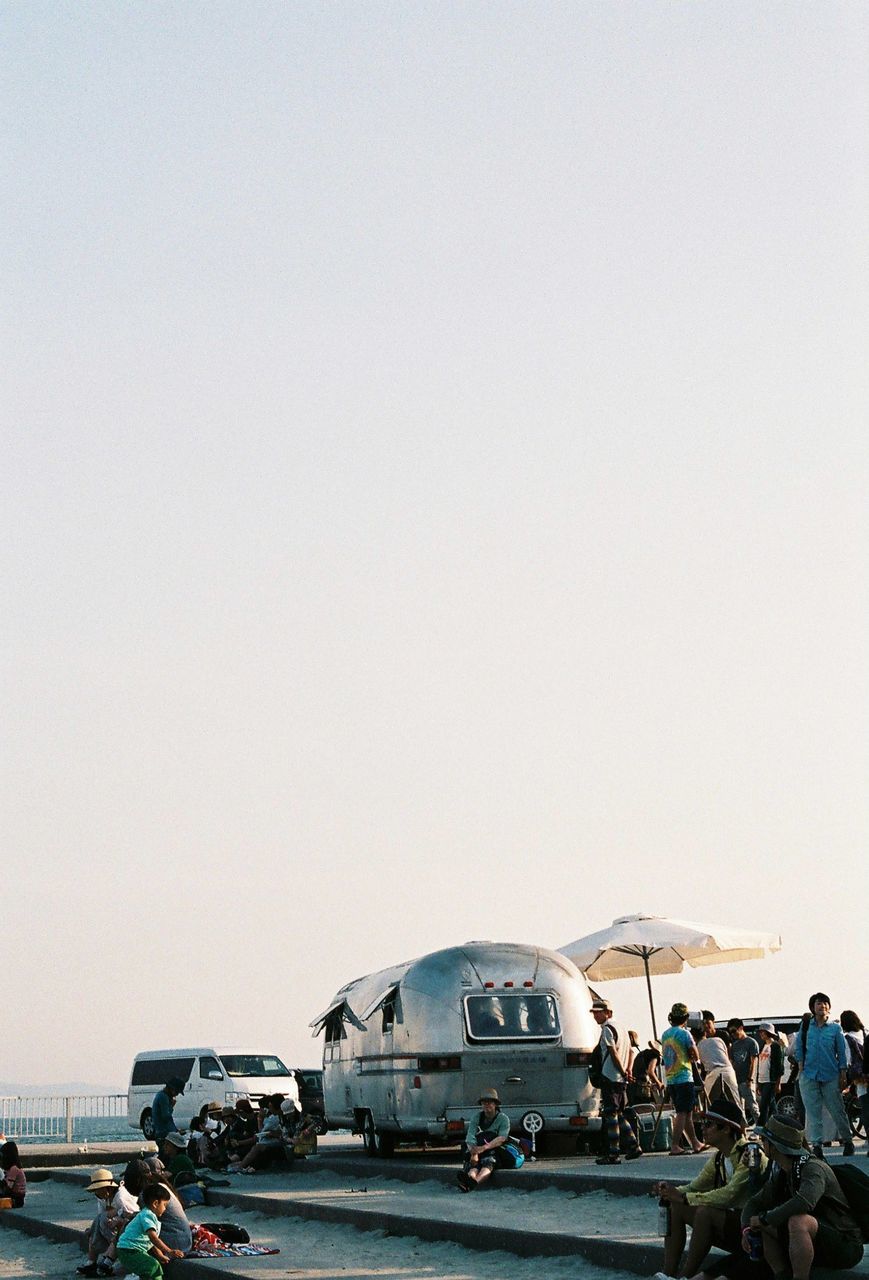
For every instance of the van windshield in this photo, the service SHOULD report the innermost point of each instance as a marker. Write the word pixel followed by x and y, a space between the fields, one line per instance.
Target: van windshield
pixel 253 1064
pixel 525 1016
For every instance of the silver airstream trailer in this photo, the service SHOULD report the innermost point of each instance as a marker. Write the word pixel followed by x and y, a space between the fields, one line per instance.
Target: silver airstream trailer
pixel 408 1050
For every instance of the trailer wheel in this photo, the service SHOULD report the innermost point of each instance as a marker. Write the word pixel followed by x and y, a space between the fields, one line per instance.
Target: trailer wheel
pixel 147 1124
pixel 376 1142
pixel 369 1134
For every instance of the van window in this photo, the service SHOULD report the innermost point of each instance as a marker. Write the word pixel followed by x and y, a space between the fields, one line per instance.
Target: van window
pixel 254 1064
pixel 156 1071
pixel 209 1067
pixel 525 1016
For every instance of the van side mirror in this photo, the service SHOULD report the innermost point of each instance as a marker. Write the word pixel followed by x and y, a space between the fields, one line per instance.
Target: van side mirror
pixel 215 1075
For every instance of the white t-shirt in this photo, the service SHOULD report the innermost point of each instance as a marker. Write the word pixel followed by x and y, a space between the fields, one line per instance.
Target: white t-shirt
pixel 713 1053
pixel 125 1202
pixel 622 1048
pixel 763 1063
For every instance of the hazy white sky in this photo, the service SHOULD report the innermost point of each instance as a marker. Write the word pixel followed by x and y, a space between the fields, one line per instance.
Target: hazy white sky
pixel 434 494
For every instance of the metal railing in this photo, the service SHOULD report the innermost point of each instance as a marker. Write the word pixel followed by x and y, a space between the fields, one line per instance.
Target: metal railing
pixel 64 1118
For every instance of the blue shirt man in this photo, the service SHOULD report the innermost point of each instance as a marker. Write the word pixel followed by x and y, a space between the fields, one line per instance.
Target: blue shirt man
pixel 162 1119
pixel 822 1054
pixel 826 1053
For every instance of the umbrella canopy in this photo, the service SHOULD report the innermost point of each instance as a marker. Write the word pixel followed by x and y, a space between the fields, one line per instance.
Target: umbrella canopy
pixel 634 946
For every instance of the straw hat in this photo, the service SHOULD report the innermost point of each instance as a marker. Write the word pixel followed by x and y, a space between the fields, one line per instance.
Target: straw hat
pixel 101 1178
pixel 489 1095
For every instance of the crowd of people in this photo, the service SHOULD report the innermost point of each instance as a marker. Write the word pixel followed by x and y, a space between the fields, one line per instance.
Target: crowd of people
pixel 808 1074
pixel 766 1194
pixel 141 1222
pixel 760 1105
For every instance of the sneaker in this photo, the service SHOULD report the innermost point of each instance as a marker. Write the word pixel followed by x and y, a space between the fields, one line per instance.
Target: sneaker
pixel 608 1160
pixel 105 1267
pixel 633 1155
pixel 89 1269
pixel 661 1275
pixel 848 1149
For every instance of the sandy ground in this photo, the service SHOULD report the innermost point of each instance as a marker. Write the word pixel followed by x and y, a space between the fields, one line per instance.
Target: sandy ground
pixel 319 1251
pixel 315 1251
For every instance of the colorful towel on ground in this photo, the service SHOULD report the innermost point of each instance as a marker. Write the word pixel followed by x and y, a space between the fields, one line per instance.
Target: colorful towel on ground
pixel 207 1245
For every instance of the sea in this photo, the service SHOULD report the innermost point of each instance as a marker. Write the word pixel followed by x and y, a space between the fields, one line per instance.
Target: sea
pixel 87 1130
pixel 30 1115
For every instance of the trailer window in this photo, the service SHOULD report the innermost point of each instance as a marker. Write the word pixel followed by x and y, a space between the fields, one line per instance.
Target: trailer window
pixel 512 1017
pixel 335 1026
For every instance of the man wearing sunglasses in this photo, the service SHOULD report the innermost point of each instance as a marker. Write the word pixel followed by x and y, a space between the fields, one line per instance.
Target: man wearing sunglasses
pixel 711 1204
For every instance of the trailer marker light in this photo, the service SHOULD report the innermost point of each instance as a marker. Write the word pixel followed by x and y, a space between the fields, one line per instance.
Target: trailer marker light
pixel 578 1122
pixel 417 1083
pixel 508 984
pixel 488 984
pixel 527 984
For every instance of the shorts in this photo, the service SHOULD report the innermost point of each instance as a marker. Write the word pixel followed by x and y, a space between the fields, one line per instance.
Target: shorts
pixel 614 1097
pixel 731 1233
pixel 835 1248
pixel 683 1097
pixel 140 1263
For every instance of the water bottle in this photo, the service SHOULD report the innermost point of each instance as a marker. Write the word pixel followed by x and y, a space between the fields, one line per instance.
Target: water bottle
pixel 663 1217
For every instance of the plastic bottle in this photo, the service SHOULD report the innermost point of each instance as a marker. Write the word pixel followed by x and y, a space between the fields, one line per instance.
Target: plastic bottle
pixel 663 1217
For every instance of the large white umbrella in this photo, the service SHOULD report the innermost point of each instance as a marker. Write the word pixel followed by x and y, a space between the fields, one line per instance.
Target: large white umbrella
pixel 636 945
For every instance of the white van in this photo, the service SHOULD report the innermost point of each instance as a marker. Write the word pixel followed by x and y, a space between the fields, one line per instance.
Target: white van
pixel 209 1075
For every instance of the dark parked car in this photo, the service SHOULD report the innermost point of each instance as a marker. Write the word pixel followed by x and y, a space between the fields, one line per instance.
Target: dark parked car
pixel 310 1082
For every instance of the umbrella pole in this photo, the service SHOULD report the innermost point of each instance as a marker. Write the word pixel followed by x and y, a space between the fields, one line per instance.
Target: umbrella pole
pixel 651 1001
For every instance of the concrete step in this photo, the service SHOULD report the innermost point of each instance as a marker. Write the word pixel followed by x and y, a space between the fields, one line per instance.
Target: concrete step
pixel 562 1225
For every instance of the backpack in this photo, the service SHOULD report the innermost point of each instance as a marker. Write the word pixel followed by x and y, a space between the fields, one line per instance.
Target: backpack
pixel 595 1067
pixel 856 1053
pixel 854 1185
pixel 510 1155
pixel 228 1232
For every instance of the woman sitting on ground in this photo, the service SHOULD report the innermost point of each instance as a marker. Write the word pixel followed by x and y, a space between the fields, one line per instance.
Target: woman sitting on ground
pixel 487 1135
pixel 268 1146
pixel 240 1133
pixel 13 1183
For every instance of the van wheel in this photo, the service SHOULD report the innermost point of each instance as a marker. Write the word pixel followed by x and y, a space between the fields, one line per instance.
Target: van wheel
pixel 147 1125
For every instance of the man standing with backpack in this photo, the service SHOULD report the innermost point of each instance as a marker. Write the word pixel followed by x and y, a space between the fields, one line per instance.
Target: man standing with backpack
pixel 616 1052
pixel 822 1054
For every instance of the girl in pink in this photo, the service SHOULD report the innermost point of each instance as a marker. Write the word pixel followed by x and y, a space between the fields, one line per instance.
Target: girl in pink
pixel 13 1183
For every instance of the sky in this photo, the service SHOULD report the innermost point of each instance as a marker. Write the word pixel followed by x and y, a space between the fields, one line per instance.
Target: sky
pixel 434 502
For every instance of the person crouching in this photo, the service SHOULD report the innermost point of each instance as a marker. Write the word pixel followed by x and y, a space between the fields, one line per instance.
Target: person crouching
pixel 712 1203
pixel 102 1231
